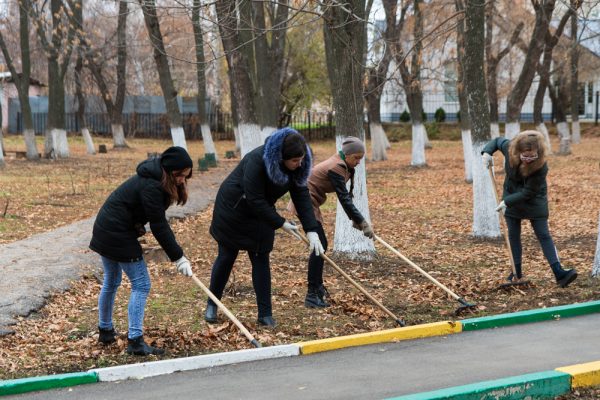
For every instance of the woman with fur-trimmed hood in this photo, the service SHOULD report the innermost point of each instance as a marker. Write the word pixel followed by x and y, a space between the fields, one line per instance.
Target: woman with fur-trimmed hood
pixel 244 216
pixel 525 197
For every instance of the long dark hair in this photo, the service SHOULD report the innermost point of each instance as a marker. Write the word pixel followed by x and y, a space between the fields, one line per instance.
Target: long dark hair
pixel 177 193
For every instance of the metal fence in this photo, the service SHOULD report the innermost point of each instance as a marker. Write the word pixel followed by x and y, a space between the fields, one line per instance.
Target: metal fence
pixel 313 125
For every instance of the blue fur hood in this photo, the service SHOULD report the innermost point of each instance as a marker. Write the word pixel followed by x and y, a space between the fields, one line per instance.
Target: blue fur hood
pixel 274 163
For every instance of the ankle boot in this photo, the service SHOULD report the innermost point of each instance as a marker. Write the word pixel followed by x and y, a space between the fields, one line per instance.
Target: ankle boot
pixel 323 292
pixel 107 336
pixel 210 315
pixel 313 299
pixel 268 321
pixel 138 347
pixel 563 277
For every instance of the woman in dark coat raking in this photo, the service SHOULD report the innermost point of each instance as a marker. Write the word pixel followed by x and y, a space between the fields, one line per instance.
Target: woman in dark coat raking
pixel 143 198
pixel 525 197
pixel 244 216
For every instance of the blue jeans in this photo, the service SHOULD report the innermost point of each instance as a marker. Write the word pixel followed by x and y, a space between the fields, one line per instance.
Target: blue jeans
pixel 137 272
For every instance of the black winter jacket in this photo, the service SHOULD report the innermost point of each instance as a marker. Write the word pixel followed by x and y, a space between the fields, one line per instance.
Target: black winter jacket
pixel 138 200
pixel 525 197
pixel 244 216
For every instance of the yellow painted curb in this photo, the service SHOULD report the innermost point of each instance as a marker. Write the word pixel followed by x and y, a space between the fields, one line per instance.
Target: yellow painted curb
pixel 391 335
pixel 587 374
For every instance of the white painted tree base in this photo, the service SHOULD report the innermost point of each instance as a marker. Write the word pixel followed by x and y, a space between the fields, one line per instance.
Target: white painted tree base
pixel 544 131
pixel 60 145
pixel 486 222
pixel 89 143
pixel 565 138
pixel 575 132
pixel 30 144
pixel 266 131
pixel 495 130
pixel 118 136
pixel 1 152
pixel 418 146
pixel 467 154
pixel 512 129
pixel 378 149
pixel 207 140
pixel 250 137
pixel 236 134
pixel 596 266
pixel 178 136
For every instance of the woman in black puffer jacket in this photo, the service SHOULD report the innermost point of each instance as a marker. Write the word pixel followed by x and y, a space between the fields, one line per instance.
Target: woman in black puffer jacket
pixel 143 198
pixel 244 216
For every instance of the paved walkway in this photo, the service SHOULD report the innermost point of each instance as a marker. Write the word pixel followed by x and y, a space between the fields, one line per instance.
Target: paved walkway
pixel 33 268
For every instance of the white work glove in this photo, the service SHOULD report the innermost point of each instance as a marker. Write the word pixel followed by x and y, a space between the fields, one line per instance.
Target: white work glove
pixel 501 207
pixel 183 266
pixel 487 159
pixel 315 243
pixel 291 229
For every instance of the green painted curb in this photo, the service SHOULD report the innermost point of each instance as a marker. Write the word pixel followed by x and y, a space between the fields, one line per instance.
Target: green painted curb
pixel 16 386
pixel 540 384
pixel 537 315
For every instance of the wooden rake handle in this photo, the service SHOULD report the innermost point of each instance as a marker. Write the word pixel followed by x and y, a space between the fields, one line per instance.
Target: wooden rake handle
pixel 353 282
pixel 227 312
pixel 415 266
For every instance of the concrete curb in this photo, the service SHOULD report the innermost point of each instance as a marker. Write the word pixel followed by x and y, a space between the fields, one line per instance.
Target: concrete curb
pixel 583 375
pixel 16 386
pixel 548 383
pixel 154 368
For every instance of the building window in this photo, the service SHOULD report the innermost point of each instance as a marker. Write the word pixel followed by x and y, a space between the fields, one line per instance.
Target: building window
pixel 450 93
pixel 590 95
pixel 581 99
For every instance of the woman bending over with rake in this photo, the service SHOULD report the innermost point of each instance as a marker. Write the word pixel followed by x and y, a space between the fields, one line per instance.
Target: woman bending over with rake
pixel 525 197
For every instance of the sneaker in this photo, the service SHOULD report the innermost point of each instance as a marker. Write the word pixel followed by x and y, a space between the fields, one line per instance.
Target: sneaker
pixel 138 347
pixel 267 321
pixel 566 279
pixel 107 336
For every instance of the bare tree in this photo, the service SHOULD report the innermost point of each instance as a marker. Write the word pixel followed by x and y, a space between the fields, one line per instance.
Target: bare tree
pixel 22 80
pixel 596 266
pixel 516 98
pixel 575 127
pixel 485 218
pixel 492 61
pixel 209 146
pixel 464 121
pixel 164 72
pixel 345 36
pixel 80 114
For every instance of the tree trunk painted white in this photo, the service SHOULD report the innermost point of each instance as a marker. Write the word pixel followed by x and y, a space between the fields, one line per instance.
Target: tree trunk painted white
pixel 544 131
pixel 250 137
pixel 596 267
pixel 468 154
pixel 236 135
pixel 178 136
pixel 118 135
pixel 89 143
pixel 60 145
pixel 1 152
pixel 209 145
pixel 418 146
pixel 512 129
pixel 486 223
pixel 266 131
pixel 386 141
pixel 426 136
pixel 565 138
pixel 30 145
pixel 575 132
pixel 378 149
pixel 347 240
pixel 494 130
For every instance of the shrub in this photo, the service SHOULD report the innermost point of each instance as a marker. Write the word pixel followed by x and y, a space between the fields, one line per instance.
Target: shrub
pixel 405 116
pixel 423 116
pixel 458 115
pixel 433 130
pixel 440 115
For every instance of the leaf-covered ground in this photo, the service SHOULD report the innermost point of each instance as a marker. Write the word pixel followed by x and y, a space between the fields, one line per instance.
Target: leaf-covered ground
pixel 424 212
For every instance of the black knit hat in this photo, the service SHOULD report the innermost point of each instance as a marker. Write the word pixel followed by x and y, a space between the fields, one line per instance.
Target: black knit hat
pixel 176 159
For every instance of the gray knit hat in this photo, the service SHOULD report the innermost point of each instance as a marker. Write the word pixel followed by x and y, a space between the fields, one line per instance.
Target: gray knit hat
pixel 352 145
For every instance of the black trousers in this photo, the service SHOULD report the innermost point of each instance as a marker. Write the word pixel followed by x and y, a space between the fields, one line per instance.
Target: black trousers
pixel 315 263
pixel 261 277
pixel 540 228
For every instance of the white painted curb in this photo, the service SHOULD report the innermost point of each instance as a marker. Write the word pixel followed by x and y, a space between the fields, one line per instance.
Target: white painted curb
pixel 154 368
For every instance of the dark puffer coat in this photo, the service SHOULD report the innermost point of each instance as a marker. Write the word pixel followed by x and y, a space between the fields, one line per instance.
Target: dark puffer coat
pixel 244 216
pixel 525 197
pixel 138 200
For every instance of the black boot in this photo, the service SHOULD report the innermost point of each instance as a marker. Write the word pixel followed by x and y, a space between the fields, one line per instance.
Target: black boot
pixel 267 321
pixel 512 276
pixel 314 299
pixel 563 277
pixel 210 315
pixel 138 347
pixel 107 336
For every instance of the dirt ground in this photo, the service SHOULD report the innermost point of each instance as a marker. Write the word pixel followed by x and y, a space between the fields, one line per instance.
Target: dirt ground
pixel 425 213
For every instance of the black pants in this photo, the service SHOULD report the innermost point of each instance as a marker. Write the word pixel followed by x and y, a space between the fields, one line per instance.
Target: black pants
pixel 315 263
pixel 540 227
pixel 261 277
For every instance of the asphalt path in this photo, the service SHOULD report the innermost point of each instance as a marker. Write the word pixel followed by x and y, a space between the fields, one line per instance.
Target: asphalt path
pixel 371 372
